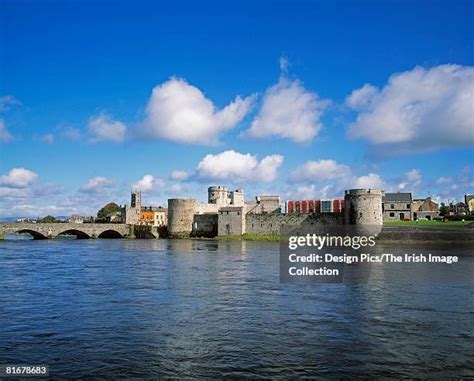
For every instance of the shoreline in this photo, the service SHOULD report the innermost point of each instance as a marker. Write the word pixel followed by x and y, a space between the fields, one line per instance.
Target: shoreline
pixel 389 234
pixel 394 233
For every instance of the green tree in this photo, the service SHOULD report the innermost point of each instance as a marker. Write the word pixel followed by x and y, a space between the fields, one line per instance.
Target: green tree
pixel 108 210
pixel 443 210
pixel 48 219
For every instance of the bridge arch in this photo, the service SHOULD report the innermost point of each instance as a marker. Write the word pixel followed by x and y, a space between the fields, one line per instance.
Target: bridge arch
pixel 78 233
pixel 33 233
pixel 110 233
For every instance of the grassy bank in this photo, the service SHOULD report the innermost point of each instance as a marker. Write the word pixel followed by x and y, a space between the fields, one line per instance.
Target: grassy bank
pixel 436 224
pixel 269 237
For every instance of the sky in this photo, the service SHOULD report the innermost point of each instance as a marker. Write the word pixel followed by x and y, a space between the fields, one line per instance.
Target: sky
pixel 297 98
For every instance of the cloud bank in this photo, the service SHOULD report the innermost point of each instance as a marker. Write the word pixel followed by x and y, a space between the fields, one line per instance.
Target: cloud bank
pixel 179 175
pixel 417 110
pixel 235 166
pixel 288 111
pixel 148 183
pixel 180 112
pixel 103 128
pixel 320 170
pixel 18 178
pixel 96 184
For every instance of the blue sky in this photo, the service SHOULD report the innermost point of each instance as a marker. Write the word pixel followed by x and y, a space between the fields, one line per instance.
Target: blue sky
pixel 301 99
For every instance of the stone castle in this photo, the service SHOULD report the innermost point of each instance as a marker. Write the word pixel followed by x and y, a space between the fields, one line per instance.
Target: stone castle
pixel 227 213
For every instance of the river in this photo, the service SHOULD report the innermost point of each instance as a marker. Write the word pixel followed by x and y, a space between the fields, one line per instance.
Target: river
pixel 190 308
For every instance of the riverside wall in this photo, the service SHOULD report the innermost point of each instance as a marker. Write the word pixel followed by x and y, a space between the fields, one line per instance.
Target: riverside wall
pixel 271 223
pixel 400 234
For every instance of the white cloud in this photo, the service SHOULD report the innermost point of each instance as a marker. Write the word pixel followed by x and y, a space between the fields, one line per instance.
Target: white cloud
pixel 320 170
pixel 371 180
pixel 231 165
pixel 443 180
pixel 10 196
pixel 361 98
pixel 7 101
pixel 102 128
pixel 30 210
pixel 69 132
pixel 18 178
pixel 417 110
pixel 284 64
pixel 5 136
pixel 180 112
pixel 288 111
pixel 95 185
pixel 311 192
pixel 48 138
pixel 179 175
pixel 414 176
pixel 327 178
pixel 148 183
pixel 402 185
pixel 411 182
pixel 453 189
pixel 176 188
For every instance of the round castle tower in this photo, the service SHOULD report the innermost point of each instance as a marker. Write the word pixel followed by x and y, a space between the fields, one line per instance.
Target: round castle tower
pixel 363 207
pixel 180 216
pixel 218 195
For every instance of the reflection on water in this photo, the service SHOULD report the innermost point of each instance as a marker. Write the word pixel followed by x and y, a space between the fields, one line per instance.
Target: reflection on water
pixel 136 308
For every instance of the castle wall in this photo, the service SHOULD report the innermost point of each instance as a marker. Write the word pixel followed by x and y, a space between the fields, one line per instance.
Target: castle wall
pixel 202 207
pixel 263 204
pixel 205 225
pixel 271 223
pixel 231 221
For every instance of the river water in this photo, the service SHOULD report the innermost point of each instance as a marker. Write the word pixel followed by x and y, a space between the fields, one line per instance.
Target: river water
pixel 188 308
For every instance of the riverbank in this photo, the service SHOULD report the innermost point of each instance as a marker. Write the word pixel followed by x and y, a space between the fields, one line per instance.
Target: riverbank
pixel 393 233
pixel 431 224
pixel 268 237
pixel 459 234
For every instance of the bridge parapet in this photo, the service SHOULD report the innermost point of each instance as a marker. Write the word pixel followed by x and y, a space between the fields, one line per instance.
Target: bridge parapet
pixel 52 230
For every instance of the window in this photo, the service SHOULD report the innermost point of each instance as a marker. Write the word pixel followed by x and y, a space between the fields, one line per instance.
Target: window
pixel 408 206
pixel 391 214
pixel 326 206
pixel 392 206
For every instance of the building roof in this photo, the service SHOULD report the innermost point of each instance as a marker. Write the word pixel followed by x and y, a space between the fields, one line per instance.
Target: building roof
pixel 425 205
pixel 397 197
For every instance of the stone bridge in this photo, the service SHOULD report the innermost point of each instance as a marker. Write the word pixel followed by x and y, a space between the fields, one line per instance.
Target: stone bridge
pixel 81 231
